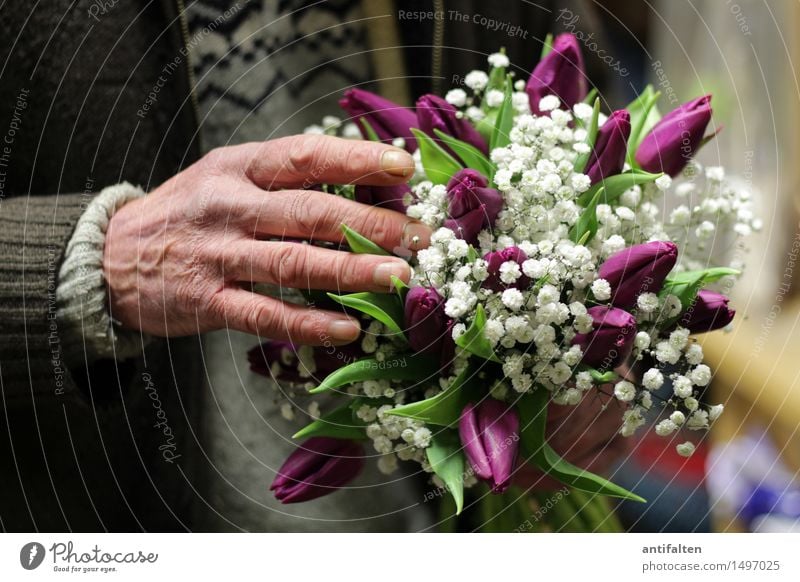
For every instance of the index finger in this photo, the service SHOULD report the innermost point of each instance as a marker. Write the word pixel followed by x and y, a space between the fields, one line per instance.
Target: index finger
pixel 308 214
pixel 301 161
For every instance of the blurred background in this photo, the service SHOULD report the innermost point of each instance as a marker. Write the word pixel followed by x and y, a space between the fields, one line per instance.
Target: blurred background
pixel 745 53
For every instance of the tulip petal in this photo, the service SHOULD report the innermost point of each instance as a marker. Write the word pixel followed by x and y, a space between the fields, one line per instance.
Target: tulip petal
pixel 499 426
pixel 469 432
pixel 560 73
pixel 317 468
pixel 389 119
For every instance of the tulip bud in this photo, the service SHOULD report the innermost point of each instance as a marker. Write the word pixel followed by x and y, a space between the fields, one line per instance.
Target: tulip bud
pixel 489 432
pixel 674 140
pixel 391 197
pixel 638 269
pixel 496 259
pixel 610 341
pixel 318 467
pixel 610 147
pixel 428 329
pixel 709 311
pixel 560 73
pixel 433 112
pixel 471 205
pixel 388 119
pixel 280 360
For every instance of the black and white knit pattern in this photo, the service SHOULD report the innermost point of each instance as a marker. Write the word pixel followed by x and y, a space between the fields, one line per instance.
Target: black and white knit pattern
pixel 266 68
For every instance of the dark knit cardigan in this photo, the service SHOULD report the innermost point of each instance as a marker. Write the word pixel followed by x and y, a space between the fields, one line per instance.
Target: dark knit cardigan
pixel 79 446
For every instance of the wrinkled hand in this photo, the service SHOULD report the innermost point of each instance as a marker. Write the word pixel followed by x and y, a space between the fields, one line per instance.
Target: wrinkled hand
pixel 586 435
pixel 179 260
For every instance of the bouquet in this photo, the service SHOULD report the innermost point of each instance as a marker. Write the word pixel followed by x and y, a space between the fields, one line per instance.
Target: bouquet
pixel 571 256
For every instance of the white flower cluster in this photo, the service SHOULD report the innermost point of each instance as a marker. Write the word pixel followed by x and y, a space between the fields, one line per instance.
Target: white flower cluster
pixel 531 326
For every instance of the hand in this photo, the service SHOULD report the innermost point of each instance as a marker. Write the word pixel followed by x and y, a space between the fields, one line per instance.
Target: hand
pixel 586 435
pixel 178 261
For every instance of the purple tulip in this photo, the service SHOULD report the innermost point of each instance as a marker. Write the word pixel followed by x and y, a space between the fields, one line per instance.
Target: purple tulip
pixel 610 147
pixel 320 466
pixel 428 329
pixel 709 311
pixel 472 206
pixel 496 260
pixel 391 197
pixel 610 341
pixel 433 112
pixel 674 140
pixel 638 269
pixel 560 73
pixel 388 119
pixel 489 432
pixel 278 360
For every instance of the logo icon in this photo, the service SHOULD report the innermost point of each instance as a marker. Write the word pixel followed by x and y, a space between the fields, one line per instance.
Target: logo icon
pixel 31 555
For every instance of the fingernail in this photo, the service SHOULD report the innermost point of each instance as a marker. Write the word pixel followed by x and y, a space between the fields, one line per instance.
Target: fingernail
pixel 382 276
pixel 343 329
pixel 416 235
pixel 397 163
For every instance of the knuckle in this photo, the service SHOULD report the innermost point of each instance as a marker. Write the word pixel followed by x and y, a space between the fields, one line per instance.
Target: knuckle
pixel 303 155
pixel 308 327
pixel 289 264
pixel 214 160
pixel 380 226
pixel 218 309
pixel 303 211
pixel 261 319
pixel 360 160
pixel 352 271
pixel 234 262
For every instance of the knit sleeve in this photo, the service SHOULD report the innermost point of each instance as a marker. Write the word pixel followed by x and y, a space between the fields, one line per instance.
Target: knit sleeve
pixel 88 332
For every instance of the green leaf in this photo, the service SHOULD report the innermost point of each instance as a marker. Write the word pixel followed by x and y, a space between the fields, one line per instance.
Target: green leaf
pixel 599 377
pixel 707 139
pixel 584 230
pixel 644 115
pixel 590 96
pixel 547 46
pixel 371 134
pixel 616 185
pixel 337 424
pixel 602 377
pixel 360 244
pixel 400 288
pixel 439 165
pixel 686 285
pixel 583 159
pixel 497 76
pixel 533 419
pixel 472 254
pixel 445 408
pixel 485 126
pixel 473 339
pixel 384 307
pixel 469 154
pixel 505 121
pixel 405 367
pixel 447 461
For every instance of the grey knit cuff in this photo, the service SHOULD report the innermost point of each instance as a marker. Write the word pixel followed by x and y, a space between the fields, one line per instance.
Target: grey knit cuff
pixel 81 295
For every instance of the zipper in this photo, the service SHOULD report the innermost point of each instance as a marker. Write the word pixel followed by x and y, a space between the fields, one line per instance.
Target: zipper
pixel 436 53
pixel 184 24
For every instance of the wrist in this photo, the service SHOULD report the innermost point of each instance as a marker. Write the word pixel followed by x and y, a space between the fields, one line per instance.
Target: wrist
pixel 82 295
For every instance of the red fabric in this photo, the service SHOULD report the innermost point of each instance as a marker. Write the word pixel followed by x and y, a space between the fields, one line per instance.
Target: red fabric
pixel 658 455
